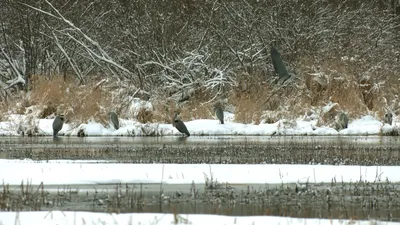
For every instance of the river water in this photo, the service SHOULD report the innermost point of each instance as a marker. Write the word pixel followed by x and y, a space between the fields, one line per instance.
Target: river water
pixel 329 200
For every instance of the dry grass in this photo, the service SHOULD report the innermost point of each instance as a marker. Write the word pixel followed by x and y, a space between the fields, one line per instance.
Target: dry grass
pixel 255 100
pixel 341 84
pixel 78 103
pixel 15 104
pixel 145 116
pixel 249 99
pixel 195 108
pixel 164 111
pixel 358 89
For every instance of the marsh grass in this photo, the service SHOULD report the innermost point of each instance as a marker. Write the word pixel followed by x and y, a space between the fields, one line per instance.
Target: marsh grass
pixel 354 200
pixel 256 99
pixel 249 99
pixel 54 95
pixel 287 152
pixel 356 87
pixel 28 197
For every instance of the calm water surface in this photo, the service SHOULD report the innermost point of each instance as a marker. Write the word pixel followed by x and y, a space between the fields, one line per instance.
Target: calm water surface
pixel 349 201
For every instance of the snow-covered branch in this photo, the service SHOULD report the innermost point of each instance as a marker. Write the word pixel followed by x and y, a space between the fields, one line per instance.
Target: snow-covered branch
pixel 189 73
pixel 94 49
pixel 73 65
pixel 19 78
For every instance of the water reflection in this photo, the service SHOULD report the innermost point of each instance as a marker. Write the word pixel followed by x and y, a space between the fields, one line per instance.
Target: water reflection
pixel 353 202
pixel 337 150
pixel 205 140
pixel 276 209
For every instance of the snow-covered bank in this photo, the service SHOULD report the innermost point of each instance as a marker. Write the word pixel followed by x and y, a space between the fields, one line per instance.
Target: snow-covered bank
pixel 366 125
pixel 69 218
pixel 69 172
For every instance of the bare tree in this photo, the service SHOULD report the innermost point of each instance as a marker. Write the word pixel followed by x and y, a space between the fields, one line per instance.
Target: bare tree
pixel 180 47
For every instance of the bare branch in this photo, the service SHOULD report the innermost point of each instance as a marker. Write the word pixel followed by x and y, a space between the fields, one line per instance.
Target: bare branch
pixel 73 65
pixel 19 78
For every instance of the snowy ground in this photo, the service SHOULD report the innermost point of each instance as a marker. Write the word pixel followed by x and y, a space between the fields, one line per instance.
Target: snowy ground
pixel 70 172
pixel 366 125
pixel 81 218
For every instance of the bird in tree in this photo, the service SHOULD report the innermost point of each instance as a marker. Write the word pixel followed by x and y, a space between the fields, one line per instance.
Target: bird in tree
pixel 114 120
pixel 58 124
pixel 219 112
pixel 180 126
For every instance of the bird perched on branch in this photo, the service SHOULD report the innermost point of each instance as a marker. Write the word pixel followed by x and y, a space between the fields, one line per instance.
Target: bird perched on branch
pixel 180 126
pixel 58 124
pixel 114 120
pixel 219 112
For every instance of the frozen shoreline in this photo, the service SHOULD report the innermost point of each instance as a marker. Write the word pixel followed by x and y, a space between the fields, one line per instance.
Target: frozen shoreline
pixel 68 218
pixel 364 126
pixel 53 172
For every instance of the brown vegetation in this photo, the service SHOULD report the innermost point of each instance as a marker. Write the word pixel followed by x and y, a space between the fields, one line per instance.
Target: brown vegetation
pixel 253 99
pixel 196 108
pixel 78 103
pixel 343 52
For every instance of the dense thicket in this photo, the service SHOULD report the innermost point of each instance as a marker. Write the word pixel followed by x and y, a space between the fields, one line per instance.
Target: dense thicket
pixel 178 45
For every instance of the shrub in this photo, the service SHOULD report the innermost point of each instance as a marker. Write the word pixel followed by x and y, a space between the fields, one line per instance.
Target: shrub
pixel 79 103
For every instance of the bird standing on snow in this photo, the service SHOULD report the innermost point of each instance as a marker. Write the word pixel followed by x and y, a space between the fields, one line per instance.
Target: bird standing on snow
pixel 388 118
pixel 180 126
pixel 343 120
pixel 219 112
pixel 58 124
pixel 114 120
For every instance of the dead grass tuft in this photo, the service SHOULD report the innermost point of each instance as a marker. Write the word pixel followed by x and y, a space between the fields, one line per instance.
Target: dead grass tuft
pixel 356 87
pixel 249 98
pixel 47 111
pixel 89 106
pixel 78 103
pixel 145 115
pixel 329 117
pixel 17 103
pixel 164 111
pixel 349 83
pixel 255 100
pixel 195 107
pixel 194 111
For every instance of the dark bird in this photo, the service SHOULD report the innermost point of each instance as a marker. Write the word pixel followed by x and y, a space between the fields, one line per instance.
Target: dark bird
pixel 388 118
pixel 343 120
pixel 279 66
pixel 58 124
pixel 114 120
pixel 180 126
pixel 219 112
